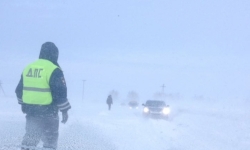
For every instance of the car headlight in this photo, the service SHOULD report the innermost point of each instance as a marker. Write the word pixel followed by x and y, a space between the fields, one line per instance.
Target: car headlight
pixel 166 110
pixel 145 110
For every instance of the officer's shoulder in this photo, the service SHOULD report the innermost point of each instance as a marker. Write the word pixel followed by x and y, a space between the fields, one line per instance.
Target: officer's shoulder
pixel 58 71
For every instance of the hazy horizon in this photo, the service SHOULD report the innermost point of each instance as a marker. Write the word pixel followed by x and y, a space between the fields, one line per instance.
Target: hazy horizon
pixel 194 48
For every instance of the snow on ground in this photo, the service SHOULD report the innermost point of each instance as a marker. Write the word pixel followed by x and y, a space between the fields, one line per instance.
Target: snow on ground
pixel 192 125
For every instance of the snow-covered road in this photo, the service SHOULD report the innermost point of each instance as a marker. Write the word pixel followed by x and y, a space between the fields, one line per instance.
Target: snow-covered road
pixel 193 125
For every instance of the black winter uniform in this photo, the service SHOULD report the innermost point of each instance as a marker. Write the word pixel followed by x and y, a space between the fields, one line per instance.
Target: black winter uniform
pixel 42 121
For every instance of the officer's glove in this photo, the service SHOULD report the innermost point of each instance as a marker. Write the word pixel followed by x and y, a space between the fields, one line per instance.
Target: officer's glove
pixel 64 116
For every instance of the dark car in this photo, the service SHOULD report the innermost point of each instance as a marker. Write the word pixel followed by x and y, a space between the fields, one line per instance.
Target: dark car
pixel 133 104
pixel 156 108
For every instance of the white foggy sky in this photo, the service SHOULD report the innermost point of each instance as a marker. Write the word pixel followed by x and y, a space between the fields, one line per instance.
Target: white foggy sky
pixel 193 47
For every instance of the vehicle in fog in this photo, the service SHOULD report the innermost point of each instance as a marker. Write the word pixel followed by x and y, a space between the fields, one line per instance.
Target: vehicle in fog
pixel 156 108
pixel 133 104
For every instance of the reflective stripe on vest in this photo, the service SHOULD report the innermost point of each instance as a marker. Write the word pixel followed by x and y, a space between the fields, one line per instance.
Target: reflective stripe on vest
pixel 36 89
pixel 36 77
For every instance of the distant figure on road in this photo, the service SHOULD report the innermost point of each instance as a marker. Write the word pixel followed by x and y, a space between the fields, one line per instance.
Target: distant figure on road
pixel 109 101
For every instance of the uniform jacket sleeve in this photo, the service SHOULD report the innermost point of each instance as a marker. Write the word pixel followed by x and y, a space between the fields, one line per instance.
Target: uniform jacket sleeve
pixel 19 91
pixel 59 90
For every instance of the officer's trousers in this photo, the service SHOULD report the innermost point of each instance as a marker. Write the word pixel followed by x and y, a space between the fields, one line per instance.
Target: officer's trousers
pixel 44 128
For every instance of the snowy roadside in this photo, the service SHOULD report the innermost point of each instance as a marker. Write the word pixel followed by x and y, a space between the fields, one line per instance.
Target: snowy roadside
pixel 193 125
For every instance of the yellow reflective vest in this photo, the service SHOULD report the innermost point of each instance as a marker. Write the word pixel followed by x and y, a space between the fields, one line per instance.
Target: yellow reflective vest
pixel 36 77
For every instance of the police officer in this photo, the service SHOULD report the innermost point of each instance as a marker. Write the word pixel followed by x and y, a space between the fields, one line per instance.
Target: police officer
pixel 42 93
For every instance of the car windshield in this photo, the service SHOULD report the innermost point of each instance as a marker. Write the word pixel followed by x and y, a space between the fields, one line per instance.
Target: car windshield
pixel 155 103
